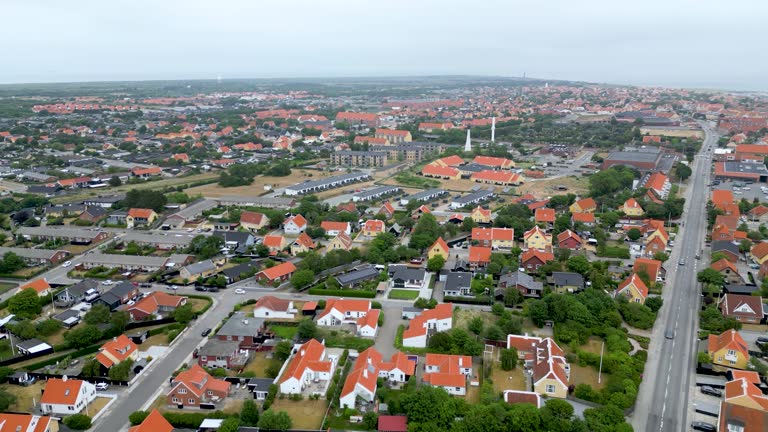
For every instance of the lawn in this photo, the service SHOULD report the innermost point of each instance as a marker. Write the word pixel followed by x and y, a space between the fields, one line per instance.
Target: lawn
pixel 403 294
pixel 24 395
pixel 156 340
pixel 258 364
pixel 473 394
pixel 6 286
pixel 508 380
pixel 197 304
pixel 306 414
pixel 586 375
pixel 462 317
pixel 284 332
pixel 97 405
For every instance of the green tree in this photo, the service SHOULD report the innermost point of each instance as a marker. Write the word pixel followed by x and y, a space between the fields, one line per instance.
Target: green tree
pixel 98 314
pixel 302 278
pixel 476 325
pixel 436 263
pixel 115 181
pixel 654 303
pixel 508 359
pixel 230 424
pixel 370 420
pixel 137 417
pixel 661 256
pixel 578 264
pixel 119 320
pixel 283 350
pixel 121 371
pixel 78 421
pixel 91 368
pixel 184 314
pixel 144 198
pixel 307 329
pixel 249 413
pixel 711 276
pixel 634 234
pixel 538 312
pixel 48 327
pixel 682 171
pixel 279 421
pixel 25 304
pixel 467 224
pixel 6 400
pixel 82 336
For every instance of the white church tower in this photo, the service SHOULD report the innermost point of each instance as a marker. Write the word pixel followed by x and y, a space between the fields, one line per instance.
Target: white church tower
pixel 468 144
pixel 493 129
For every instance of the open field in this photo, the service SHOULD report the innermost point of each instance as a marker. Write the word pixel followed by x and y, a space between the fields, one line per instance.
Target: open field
pixel 306 414
pixel 462 317
pixel 403 294
pixel 586 375
pixel 197 304
pixel 577 185
pixel 24 395
pixel 97 405
pixel 256 188
pixel 508 380
pixel 158 184
pixel 5 286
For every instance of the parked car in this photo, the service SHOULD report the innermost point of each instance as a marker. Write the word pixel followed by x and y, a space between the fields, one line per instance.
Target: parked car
pixel 206 332
pixel 239 291
pixel 102 386
pixel 67 264
pixel 762 340
pixel 213 289
pixel 107 282
pixel 201 288
pixel 701 426
pixel 708 390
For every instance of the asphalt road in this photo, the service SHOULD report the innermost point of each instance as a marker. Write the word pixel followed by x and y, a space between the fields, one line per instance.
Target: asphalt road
pixel 664 393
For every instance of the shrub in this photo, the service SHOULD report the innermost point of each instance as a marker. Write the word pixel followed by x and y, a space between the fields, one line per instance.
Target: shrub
pixel 342 293
pixel 78 422
pixel 137 417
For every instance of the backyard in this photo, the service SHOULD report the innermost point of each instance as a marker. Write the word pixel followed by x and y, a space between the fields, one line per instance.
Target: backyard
pixel 259 364
pixel 508 380
pixel 306 414
pixel 24 395
pixel 284 331
pixel 403 294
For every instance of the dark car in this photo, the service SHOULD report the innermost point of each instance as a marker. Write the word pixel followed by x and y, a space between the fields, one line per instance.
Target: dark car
pixel 701 426
pixel 213 289
pixel 201 288
pixel 711 391
pixel 206 332
pixel 669 334
pixel 762 340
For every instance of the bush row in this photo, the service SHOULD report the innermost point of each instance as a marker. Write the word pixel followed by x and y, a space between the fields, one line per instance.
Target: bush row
pixel 342 293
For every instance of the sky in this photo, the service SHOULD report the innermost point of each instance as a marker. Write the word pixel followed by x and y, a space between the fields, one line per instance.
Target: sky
pixel 676 43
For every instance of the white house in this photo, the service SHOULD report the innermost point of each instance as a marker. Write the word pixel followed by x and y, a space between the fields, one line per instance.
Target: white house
pixel 369 366
pixel 295 225
pixel 343 311
pixel 274 308
pixel 332 229
pixel 368 325
pixel 308 364
pixel 438 319
pixel 448 371
pixel 66 396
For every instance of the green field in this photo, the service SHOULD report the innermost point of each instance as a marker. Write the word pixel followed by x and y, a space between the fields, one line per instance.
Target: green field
pixel 403 294
pixel 284 332
pixel 5 286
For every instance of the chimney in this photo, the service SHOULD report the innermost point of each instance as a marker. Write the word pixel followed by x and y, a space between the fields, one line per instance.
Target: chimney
pixel 365 373
pixel 460 361
pixel 302 352
pixel 245 322
pixel 64 378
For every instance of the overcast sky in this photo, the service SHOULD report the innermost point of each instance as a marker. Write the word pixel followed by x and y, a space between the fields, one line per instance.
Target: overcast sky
pixel 691 43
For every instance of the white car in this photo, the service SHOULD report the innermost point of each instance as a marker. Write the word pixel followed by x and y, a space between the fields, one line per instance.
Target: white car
pixel 67 264
pixel 107 282
pixel 239 291
pixel 102 386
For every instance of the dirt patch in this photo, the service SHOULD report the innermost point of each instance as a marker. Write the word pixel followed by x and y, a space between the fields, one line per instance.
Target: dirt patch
pixel 24 395
pixel 232 405
pixel 97 405
pixel 306 414
pixel 544 188
pixel 256 188
pixel 157 184
pixel 508 380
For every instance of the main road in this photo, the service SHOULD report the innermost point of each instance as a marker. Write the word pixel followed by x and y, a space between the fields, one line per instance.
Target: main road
pixel 663 395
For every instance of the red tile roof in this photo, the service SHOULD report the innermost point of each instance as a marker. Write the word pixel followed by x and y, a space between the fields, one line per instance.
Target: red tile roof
pixel 635 280
pixel 23 422
pixel 545 215
pixel 251 217
pixel 739 306
pixel 61 392
pixel 497 176
pixel 279 270
pixel 650 266
pixel 439 171
pixel 334 226
pixel 119 348
pixel 39 285
pixel 478 254
pixel 141 213
pixel 730 339
pixel 273 303
pixel 298 220
pixel 273 241
pixel 155 422
pixel 393 423
pixel 309 355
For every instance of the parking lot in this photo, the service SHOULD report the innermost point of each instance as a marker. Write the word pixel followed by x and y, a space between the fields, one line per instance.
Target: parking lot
pixel 747 191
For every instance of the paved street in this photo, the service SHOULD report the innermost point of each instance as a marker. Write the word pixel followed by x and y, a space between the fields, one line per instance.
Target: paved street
pixel 664 393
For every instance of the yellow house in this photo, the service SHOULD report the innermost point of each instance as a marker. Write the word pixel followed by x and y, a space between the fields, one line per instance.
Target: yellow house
pixel 634 289
pixel 661 233
pixel 438 248
pixel 302 244
pixel 551 372
pixel 586 205
pixel 340 242
pixel 536 238
pixel 253 221
pixel 481 215
pixel 632 208
pixel 728 349
pixel 140 216
pixel 759 252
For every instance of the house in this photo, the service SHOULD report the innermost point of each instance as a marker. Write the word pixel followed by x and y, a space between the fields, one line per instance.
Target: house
pixel 237 241
pixel 119 294
pixel 659 184
pixel 115 351
pixel 307 364
pixel 532 259
pixel 746 309
pixel 341 311
pixel 36 257
pixel 513 397
pixel 41 287
pixel 195 386
pixel 759 252
pixel 759 214
pixel 372 228
pixel 93 214
pixel 368 367
pixel 253 221
pixel 524 283
pixel 241 271
pixel 260 387
pixel 727 248
pixel 154 422
pixel 387 210
pixel 481 216
pixel 728 270
pixel 549 368
pixel 140 217
pixel 545 216
pixel 394 136
pixel 146 172
pixel 332 229
pixel 270 307
pixel 494 162
pixel 633 288
pixel 32 346
pixel 569 240
pixel 29 423
pixel 728 349
pixel 438 248
pixel 458 284
pixel 156 304
pixel 744 407
pixel 65 396
pixel 201 269
pixel 275 243
pixel 632 208
pixel 69 318
pixel 588 219
pixel 536 238
pixel 279 273
pixel 428 322
pixel 356 277
pixel 496 238
pixel 302 244
pixel 222 354
pixel 407 277
pixel 441 172
pixel 567 282
pixel 368 325
pixel 479 256
pixel 586 205
pixel 392 423
pixel 448 371
pixel 651 267
pixel 340 242
pixel 249 332
pixel 295 225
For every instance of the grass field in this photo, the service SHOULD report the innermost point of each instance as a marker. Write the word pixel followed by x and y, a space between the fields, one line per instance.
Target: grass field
pixel 586 375
pixel 462 317
pixel 284 332
pixel 256 188
pixel 197 304
pixel 97 405
pixel 403 294
pixel 258 364
pixel 158 184
pixel 306 414
pixel 508 380
pixel 5 286
pixel 24 395
pixel 545 187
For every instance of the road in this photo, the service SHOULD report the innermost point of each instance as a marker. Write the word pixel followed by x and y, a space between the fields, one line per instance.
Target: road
pixel 664 393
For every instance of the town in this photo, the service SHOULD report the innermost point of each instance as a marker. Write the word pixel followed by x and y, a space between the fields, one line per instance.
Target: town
pixel 492 254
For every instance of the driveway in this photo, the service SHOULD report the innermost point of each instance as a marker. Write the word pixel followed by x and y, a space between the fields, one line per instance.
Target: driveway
pixel 385 339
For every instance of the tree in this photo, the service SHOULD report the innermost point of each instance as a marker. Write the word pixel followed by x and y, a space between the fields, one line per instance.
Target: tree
pixel 467 224
pixel 654 303
pixel 184 314
pixel 144 198
pixel 436 263
pixel 6 400
pixel 634 234
pixel 283 350
pixel 556 415
pixel 115 181
pixel 47 327
pixel 302 278
pixel 538 312
pixel 307 329
pixel 476 325
pixel 661 256
pixel 91 368
pixel 370 420
pixel 121 371
pixel 711 276
pixel 717 256
pixel 119 320
pixel 682 171
pixel 508 359
pixel 578 264
pixel 137 417
pixel 82 337
pixel 271 420
pixel 230 424
pixel 98 314
pixel 249 413
pixel 78 422
pixel 25 304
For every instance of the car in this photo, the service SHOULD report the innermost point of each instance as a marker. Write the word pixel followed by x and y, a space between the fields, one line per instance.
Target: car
pixel 206 332
pixel 669 334
pixel 681 262
pixel 239 291
pixel 201 288
pixel 131 303
pixel 67 264
pixel 107 282
pixel 708 390
pixel 762 340
pixel 101 386
pixel 174 287
pixel 213 289
pixel 702 426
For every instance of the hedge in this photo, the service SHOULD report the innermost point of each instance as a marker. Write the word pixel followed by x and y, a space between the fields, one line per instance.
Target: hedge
pixel 192 420
pixel 479 300
pixel 79 353
pixel 613 252
pixel 271 393
pixel 342 293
